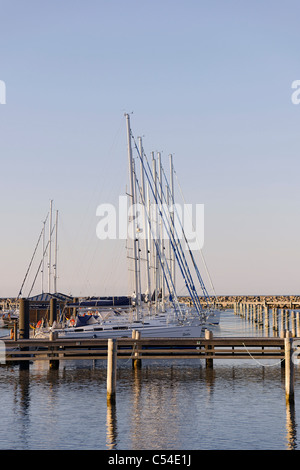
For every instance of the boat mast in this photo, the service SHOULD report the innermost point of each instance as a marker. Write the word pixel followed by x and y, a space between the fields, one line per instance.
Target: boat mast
pixel 137 230
pixel 132 195
pixel 162 280
pixel 43 248
pixel 149 243
pixel 55 253
pixel 49 251
pixel 172 260
pixel 144 217
pixel 155 254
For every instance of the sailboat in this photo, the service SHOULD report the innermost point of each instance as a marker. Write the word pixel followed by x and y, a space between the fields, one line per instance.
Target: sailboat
pixel 156 312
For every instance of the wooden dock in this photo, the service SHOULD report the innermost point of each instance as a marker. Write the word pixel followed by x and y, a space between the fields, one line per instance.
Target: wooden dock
pixel 146 348
pixel 24 350
pixel 137 349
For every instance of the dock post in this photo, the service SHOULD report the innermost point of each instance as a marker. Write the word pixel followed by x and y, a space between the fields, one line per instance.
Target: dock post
pixel 24 319
pixel 111 370
pixel 136 362
pixel 289 369
pixel 54 363
pixel 293 323
pixel 53 311
pixel 282 325
pixel 266 317
pixel 287 319
pixel 24 328
pixel 209 362
pixel 275 323
pixel 282 335
pixel 15 330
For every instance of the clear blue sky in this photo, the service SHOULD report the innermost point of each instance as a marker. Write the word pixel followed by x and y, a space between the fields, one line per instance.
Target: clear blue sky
pixel 209 81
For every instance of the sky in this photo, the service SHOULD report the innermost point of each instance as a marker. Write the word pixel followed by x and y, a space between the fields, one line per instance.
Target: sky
pixel 208 81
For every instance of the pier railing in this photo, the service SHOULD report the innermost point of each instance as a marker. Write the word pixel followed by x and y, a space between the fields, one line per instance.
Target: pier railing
pixel 146 348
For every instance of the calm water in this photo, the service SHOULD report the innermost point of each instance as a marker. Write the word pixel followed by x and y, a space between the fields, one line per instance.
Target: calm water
pixel 165 405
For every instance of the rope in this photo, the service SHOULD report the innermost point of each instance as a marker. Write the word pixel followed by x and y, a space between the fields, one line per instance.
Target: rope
pixel 264 365
pixel 134 349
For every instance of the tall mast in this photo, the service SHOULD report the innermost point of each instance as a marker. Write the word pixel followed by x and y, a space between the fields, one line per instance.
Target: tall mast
pixel 149 242
pixel 132 194
pixel 55 255
pixel 155 215
pixel 141 150
pixel 172 261
pixel 137 240
pixel 162 243
pixel 49 251
pixel 43 256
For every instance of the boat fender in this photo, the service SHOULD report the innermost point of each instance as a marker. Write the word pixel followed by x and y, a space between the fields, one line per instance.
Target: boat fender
pixel 12 334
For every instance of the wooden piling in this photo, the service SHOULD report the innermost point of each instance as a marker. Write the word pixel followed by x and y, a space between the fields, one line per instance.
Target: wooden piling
pixel 111 370
pixel 275 322
pixel 293 325
pixel 24 328
pixel 208 362
pixel 54 363
pixel 136 362
pixel 287 320
pixel 289 369
pixel 282 324
pixel 15 331
pixel 24 319
pixel 266 317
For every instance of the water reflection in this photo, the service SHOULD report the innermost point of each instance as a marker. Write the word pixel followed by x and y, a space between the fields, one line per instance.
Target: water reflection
pixel 291 427
pixel 179 404
pixel 156 420
pixel 111 426
pixel 24 394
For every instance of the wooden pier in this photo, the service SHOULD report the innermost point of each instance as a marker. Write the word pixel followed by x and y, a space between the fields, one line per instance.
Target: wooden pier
pixel 283 348
pixel 146 348
pixel 209 348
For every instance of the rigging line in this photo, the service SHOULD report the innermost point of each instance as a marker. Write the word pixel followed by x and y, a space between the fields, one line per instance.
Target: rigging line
pixel 163 264
pixel 172 293
pixel 201 253
pixel 183 268
pixel 206 295
pixel 188 278
pixel 32 258
pixel 39 267
pixel 179 256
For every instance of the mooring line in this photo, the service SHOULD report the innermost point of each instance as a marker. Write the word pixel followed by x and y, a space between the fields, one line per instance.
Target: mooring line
pixel 134 349
pixel 264 365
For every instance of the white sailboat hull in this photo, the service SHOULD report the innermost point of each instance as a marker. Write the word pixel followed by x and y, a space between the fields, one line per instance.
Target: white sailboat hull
pixel 161 326
pixel 173 331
